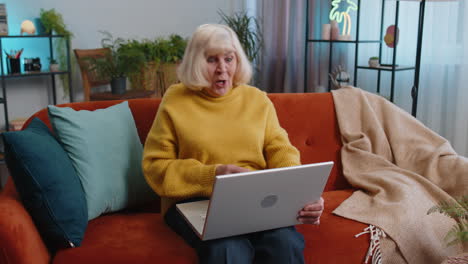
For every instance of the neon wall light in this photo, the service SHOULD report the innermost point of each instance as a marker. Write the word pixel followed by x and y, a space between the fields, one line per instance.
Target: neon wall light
pixel 343 16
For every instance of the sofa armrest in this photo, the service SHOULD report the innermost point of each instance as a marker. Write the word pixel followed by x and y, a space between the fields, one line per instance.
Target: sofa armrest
pixel 20 242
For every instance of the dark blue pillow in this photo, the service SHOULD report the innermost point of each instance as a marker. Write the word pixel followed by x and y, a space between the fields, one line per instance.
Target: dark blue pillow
pixel 47 184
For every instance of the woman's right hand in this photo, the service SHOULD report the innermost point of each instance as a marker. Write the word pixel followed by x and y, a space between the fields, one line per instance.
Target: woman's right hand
pixel 228 169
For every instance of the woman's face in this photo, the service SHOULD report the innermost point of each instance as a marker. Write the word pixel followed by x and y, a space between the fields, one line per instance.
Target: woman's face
pixel 220 73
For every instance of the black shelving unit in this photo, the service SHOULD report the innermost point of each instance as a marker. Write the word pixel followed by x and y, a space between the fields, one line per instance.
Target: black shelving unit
pixel 5 77
pixel 392 68
pixel 330 53
pixel 331 43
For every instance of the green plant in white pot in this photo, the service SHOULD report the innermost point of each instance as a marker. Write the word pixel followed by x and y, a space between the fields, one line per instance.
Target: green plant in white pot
pixel 374 62
pixel 53 65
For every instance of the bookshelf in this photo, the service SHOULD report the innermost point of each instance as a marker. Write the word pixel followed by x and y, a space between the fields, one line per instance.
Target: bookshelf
pixel 5 78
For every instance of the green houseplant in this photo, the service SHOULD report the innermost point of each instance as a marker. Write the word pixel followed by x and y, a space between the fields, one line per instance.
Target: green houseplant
pixel 52 21
pixel 249 32
pixel 149 64
pixel 161 58
pixel 117 64
pixel 171 50
pixel 146 77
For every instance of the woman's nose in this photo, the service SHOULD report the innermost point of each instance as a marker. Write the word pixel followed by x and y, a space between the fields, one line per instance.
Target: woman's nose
pixel 221 67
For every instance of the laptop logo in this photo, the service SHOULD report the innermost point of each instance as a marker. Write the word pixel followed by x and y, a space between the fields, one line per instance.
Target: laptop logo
pixel 269 201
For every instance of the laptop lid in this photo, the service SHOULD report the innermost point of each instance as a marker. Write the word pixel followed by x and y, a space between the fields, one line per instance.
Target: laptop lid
pixel 261 200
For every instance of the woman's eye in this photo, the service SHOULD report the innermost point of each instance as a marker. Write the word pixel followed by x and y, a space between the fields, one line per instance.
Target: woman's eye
pixel 229 59
pixel 211 59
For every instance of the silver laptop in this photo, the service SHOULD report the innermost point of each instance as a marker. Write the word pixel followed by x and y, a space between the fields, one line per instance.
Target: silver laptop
pixel 254 201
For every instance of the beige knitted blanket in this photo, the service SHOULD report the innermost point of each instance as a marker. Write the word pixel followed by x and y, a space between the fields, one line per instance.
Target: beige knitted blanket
pixel 401 169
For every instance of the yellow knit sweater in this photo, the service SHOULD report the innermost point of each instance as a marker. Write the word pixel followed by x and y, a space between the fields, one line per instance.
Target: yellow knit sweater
pixel 193 132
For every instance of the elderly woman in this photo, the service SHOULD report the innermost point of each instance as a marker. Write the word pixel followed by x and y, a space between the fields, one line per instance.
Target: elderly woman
pixel 213 123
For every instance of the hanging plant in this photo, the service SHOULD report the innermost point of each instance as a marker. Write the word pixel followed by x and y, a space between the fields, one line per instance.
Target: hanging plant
pixel 53 23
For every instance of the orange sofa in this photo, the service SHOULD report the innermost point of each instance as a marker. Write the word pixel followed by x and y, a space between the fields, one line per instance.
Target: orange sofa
pixel 139 235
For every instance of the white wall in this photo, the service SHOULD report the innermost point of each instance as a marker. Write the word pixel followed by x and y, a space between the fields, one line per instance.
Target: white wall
pixel 123 18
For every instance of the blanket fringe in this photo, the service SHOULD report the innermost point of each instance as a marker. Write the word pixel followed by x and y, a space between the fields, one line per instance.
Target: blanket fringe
pixel 374 247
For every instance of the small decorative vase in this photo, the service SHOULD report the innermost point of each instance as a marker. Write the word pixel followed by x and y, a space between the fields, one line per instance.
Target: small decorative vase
pixel 374 63
pixel 326 31
pixel 335 30
pixel 54 67
pixel 119 85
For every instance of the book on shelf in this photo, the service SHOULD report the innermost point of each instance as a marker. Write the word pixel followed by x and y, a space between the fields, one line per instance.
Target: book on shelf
pixel 3 20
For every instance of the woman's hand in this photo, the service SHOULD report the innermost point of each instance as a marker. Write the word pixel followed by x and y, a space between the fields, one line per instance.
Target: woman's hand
pixel 311 212
pixel 228 169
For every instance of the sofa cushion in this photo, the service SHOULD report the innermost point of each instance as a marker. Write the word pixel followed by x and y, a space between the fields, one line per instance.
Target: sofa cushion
pixel 310 121
pixel 144 238
pixel 122 238
pixel 46 182
pixel 106 152
pixel 335 237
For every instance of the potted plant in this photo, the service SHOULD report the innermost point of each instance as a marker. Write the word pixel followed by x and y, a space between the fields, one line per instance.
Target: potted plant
pixel 53 22
pixel 249 32
pixel 158 65
pixel 117 64
pixel 374 62
pixel 53 65
pixel 146 78
pixel 170 50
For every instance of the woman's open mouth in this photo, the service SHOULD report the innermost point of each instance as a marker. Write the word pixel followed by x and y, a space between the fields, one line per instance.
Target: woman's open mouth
pixel 221 83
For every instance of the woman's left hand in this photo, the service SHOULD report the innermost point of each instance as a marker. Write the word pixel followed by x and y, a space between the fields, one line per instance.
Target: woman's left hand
pixel 311 212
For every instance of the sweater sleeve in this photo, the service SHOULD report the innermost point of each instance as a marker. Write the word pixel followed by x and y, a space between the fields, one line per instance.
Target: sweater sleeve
pixel 278 150
pixel 165 173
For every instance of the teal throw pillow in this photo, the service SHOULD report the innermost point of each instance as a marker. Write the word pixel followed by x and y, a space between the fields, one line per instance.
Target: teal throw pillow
pixel 106 152
pixel 48 185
